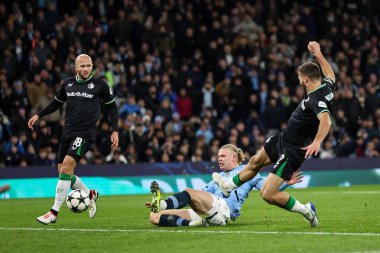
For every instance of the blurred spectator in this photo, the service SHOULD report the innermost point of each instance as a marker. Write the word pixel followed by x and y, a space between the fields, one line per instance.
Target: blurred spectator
pixel 236 64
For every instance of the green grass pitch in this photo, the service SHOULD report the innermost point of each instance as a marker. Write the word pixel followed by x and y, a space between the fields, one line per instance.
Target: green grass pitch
pixel 349 222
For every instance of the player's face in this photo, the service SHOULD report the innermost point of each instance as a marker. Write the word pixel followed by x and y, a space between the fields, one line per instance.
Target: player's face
pixel 227 159
pixel 83 67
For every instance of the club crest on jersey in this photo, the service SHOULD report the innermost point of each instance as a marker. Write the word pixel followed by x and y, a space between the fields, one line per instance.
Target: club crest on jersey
pixel 329 97
pixel 91 85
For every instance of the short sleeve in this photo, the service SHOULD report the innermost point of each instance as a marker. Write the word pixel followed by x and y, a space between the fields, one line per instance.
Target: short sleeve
pixel 329 82
pixel 319 104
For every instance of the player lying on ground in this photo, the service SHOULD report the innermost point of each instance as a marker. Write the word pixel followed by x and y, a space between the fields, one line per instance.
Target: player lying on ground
pixel 307 127
pixel 210 203
pixel 83 95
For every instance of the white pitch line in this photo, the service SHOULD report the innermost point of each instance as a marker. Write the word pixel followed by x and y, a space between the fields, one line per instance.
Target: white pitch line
pixel 191 231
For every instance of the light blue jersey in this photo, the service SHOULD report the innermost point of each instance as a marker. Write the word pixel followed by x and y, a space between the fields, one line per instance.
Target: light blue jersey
pixel 239 195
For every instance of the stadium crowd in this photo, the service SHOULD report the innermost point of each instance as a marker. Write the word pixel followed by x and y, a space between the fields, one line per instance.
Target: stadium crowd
pixel 189 76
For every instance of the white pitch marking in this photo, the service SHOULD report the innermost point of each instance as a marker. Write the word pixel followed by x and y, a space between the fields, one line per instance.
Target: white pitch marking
pixel 190 231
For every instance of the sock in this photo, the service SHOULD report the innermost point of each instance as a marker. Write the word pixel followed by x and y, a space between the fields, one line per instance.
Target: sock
pixel 236 180
pixel 178 200
pixel 232 183
pixel 77 183
pixel 295 206
pixel 163 205
pixel 63 186
pixel 172 221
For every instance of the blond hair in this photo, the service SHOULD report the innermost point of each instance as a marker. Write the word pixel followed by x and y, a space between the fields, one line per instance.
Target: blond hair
pixel 238 151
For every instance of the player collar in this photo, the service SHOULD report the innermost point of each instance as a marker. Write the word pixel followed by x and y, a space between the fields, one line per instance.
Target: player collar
pixel 82 81
pixel 320 86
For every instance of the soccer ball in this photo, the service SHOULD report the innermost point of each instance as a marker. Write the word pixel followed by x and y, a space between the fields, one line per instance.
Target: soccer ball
pixel 77 201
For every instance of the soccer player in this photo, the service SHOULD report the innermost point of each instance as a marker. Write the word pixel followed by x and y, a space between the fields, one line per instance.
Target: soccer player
pixel 307 127
pixel 82 94
pixel 209 202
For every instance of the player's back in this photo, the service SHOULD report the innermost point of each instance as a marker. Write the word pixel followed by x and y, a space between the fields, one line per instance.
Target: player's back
pixel 303 123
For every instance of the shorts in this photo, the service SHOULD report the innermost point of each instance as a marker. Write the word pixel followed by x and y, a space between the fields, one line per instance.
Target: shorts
pixel 287 158
pixel 74 146
pixel 220 213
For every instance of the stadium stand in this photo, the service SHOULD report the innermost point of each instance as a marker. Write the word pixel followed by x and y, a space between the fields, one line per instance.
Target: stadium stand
pixel 189 76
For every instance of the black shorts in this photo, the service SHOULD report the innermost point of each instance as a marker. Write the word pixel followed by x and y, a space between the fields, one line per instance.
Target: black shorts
pixel 74 146
pixel 286 158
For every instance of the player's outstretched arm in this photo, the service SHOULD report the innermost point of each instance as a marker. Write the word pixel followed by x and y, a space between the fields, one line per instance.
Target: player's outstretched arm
pixel 51 107
pixel 327 70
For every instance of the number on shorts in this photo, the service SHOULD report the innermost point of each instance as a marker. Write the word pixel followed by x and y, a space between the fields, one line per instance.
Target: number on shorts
pixel 77 143
pixel 279 160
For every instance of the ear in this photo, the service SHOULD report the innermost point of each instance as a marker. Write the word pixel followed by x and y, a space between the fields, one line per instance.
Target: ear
pixel 305 79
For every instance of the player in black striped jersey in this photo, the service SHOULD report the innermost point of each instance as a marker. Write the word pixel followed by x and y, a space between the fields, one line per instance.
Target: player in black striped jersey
pixel 307 127
pixel 83 95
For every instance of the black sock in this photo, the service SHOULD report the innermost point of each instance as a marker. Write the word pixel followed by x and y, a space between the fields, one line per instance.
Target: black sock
pixel 54 212
pixel 172 221
pixel 178 200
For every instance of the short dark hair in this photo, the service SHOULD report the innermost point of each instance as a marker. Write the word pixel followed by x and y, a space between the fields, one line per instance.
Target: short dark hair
pixel 311 70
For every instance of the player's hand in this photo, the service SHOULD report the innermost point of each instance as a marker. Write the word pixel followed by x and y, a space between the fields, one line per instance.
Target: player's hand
pixel 148 204
pixel 314 47
pixel 296 177
pixel 32 120
pixel 114 140
pixel 312 149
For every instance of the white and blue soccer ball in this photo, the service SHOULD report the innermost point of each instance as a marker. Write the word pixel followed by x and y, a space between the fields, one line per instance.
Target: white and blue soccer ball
pixel 77 201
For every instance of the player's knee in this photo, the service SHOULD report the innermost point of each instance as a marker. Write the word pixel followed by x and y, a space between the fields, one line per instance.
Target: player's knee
pixel 66 168
pixel 154 218
pixel 189 191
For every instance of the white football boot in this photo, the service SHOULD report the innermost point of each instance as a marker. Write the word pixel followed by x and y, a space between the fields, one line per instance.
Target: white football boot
pixel 312 217
pixel 47 218
pixel 94 194
pixel 218 179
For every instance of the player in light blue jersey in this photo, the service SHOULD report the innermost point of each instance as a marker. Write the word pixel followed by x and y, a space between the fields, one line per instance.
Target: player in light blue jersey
pixel 208 206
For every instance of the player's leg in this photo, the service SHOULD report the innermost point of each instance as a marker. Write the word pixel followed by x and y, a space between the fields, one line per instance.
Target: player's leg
pixel 214 210
pixel 64 181
pixel 250 170
pixel 62 188
pixel 175 218
pixel 281 172
pixel 176 201
pixel 200 201
pixel 78 148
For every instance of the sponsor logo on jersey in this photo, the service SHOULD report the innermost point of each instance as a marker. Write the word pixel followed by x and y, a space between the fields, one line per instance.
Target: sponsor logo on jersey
pixel 91 85
pixel 330 96
pixel 79 94
pixel 322 104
